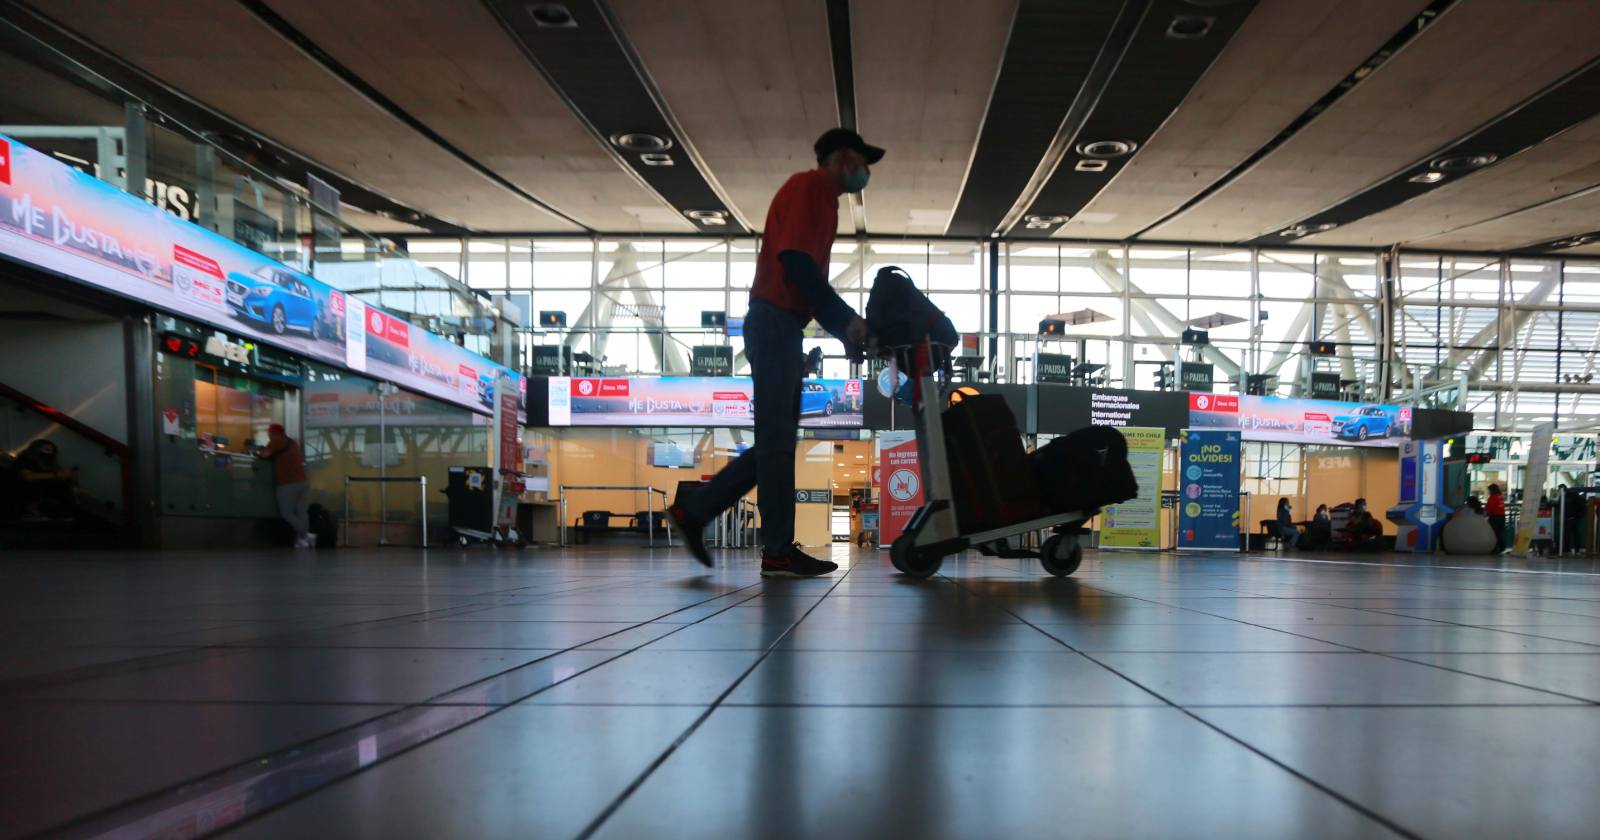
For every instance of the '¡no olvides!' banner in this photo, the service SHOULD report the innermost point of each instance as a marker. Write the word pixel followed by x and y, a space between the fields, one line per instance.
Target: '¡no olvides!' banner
pixel 1136 523
pixel 65 221
pixel 1208 490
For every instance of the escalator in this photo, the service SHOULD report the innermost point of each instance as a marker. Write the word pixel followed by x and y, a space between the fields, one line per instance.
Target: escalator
pixel 98 514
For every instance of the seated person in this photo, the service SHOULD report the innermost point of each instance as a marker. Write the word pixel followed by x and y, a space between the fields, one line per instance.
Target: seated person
pixel 1320 532
pixel 46 489
pixel 1364 533
pixel 1288 532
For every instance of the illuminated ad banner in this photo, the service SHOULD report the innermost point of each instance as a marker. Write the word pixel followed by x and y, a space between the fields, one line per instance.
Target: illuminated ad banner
pixel 1302 421
pixel 62 220
pixel 691 401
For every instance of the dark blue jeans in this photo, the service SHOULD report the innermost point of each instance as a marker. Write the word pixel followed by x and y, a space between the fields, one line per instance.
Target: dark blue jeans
pixel 772 343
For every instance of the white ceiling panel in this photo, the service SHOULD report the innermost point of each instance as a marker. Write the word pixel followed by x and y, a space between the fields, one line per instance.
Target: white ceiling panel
pixel 452 67
pixel 923 74
pixel 1477 60
pixel 1236 108
pixel 750 81
pixel 223 56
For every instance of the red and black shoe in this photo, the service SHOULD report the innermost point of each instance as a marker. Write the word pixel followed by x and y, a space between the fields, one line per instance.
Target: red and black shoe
pixel 694 533
pixel 795 563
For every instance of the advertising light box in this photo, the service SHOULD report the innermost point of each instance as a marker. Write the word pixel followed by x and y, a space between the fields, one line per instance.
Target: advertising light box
pixel 691 401
pixel 1302 421
pixel 64 221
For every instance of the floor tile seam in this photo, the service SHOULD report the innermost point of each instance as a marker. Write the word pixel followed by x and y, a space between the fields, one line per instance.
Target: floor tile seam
pixel 1359 649
pixel 1284 766
pixel 186 655
pixel 430 703
pixel 694 725
pixel 1416 569
pixel 1402 657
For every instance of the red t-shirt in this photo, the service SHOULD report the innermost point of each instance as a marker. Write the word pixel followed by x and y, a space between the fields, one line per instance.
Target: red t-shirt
pixel 1496 506
pixel 803 217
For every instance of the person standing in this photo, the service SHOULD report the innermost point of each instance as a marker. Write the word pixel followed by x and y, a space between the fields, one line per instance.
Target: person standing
pixel 289 482
pixel 1495 509
pixel 790 289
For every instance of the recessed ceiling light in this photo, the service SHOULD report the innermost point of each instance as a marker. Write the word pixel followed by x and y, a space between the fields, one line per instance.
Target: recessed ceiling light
pixel 655 159
pixel 1463 162
pixel 1105 149
pixel 640 141
pixel 707 217
pixel 1188 27
pixel 552 16
pixel 1306 230
pixel 1090 166
pixel 1039 220
pixel 1429 177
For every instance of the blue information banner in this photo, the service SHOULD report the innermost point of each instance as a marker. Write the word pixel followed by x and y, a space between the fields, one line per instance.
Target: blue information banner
pixel 1208 490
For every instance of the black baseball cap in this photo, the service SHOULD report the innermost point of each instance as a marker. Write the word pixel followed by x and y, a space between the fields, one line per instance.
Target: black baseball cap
pixel 835 139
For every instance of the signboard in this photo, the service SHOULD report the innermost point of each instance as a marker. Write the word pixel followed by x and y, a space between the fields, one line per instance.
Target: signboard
pixel 1536 474
pixel 725 401
pixel 1196 376
pixel 1063 409
pixel 509 431
pixel 1053 367
pixel 547 359
pixel 1325 386
pixel 1136 523
pixel 814 496
pixel 900 467
pixel 1208 490
pixel 712 360
pixel 61 220
pixel 1302 420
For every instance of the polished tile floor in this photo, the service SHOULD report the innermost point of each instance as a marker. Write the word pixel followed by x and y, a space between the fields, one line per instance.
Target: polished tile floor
pixel 612 692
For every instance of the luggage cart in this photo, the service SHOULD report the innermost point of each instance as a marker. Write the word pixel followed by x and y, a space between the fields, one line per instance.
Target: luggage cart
pixel 932 533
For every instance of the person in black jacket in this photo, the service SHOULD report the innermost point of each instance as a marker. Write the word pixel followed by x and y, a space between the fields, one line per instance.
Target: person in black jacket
pixel 1288 532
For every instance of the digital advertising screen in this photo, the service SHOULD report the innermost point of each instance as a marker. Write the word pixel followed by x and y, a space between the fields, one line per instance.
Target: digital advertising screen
pixel 1302 421
pixel 692 401
pixel 73 224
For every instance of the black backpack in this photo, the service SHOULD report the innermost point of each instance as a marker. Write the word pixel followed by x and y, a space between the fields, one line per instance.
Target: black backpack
pixel 901 315
pixel 1085 470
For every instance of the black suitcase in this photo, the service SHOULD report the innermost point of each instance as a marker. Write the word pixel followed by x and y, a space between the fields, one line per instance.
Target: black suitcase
pixel 991 479
pixel 1085 470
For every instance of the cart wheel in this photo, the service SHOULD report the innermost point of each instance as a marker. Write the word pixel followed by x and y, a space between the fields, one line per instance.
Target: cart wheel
pixel 922 564
pixel 1061 554
pixel 898 551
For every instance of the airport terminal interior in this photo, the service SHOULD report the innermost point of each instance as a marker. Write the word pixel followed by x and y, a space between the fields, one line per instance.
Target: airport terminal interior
pixel 799 418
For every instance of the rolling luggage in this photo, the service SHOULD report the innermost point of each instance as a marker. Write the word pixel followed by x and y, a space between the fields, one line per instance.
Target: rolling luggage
pixel 991 479
pixel 1085 470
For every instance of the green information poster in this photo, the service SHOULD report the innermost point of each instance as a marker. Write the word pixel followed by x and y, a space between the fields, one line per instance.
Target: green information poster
pixel 1136 523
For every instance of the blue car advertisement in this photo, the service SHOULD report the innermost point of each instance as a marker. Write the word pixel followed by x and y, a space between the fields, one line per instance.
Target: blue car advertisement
pixel 1302 421
pixel 65 221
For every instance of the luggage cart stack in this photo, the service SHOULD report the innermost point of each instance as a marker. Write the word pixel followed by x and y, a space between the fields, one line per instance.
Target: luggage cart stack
pixel 936 531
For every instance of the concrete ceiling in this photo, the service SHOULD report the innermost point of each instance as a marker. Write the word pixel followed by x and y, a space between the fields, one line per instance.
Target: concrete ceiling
pixel 1309 104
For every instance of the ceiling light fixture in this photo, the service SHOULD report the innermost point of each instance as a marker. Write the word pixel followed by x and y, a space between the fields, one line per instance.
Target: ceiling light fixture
pixel 1429 177
pixel 1463 162
pixel 1189 27
pixel 1107 149
pixel 1306 230
pixel 1036 221
pixel 552 16
pixel 708 218
pixel 1090 166
pixel 655 159
pixel 640 141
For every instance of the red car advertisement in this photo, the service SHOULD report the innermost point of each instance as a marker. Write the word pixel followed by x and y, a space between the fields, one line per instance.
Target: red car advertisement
pixel 55 218
pixel 693 401
pixel 1302 420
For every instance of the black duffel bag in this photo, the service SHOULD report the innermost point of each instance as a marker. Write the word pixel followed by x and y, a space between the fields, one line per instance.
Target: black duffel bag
pixel 1084 471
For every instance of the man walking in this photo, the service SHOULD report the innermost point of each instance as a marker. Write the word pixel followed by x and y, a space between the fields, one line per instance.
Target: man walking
pixel 289 481
pixel 791 288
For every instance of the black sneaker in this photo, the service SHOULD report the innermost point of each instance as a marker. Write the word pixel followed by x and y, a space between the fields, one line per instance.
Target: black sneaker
pixel 694 534
pixel 795 563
